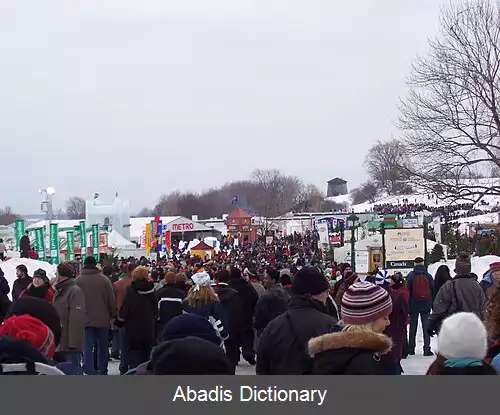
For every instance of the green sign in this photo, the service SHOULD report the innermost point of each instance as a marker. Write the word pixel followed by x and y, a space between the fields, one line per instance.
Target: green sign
pixel 54 243
pixel 70 244
pixel 19 229
pixel 83 240
pixel 40 243
pixel 95 241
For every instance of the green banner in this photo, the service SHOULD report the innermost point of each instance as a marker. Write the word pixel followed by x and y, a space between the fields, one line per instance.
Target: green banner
pixel 19 230
pixel 54 243
pixel 153 236
pixel 83 240
pixel 95 242
pixel 40 243
pixel 70 244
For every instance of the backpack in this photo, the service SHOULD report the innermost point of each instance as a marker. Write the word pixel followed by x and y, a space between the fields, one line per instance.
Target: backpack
pixel 422 288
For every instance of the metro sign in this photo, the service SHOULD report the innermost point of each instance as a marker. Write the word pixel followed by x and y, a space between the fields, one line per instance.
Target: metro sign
pixel 179 227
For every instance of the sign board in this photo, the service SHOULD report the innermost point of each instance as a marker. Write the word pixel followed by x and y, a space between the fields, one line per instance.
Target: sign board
pixel 323 233
pixel 362 261
pixel 269 240
pixel 402 246
pixel 410 223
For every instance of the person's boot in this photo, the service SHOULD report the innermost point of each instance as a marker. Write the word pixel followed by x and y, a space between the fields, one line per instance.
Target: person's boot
pixel 428 353
pixel 411 352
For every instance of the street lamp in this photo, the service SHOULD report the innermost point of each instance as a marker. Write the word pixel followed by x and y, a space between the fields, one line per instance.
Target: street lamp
pixel 352 221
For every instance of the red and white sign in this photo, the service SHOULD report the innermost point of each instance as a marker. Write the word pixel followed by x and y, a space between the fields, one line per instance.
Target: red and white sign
pixel 182 227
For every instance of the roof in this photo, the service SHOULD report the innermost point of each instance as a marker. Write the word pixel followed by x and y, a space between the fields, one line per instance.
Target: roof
pixel 337 180
pixel 202 246
pixel 239 213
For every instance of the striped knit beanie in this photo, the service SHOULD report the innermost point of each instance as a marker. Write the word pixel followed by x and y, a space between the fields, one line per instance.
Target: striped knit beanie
pixel 364 303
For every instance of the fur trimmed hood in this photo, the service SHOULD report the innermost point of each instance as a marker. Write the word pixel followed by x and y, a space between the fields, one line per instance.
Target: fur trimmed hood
pixel 378 343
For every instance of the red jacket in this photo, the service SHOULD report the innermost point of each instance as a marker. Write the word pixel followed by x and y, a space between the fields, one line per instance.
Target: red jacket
pixel 49 295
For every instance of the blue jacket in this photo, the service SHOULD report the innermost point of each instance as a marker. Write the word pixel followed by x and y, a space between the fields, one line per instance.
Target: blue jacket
pixel 214 313
pixel 420 306
pixel 486 282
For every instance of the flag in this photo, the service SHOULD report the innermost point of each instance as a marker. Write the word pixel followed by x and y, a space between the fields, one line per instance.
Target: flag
pixel 235 200
pixel 96 195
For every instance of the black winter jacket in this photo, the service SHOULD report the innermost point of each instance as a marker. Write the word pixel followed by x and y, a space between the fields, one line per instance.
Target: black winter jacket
pixel 19 286
pixel 233 305
pixel 138 314
pixel 349 353
pixel 169 299
pixel 249 297
pixel 282 348
pixel 272 303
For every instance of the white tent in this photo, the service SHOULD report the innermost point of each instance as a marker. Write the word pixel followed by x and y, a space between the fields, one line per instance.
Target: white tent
pixel 9 268
pixel 115 240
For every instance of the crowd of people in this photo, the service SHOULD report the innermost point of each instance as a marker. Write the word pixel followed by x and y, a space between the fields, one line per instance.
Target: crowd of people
pixel 276 306
pixel 450 211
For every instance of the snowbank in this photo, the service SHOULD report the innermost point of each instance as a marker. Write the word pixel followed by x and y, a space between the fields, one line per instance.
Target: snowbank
pixel 9 268
pixel 479 265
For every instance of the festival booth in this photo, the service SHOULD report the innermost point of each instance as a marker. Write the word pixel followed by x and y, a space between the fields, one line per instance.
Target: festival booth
pixel 239 226
pixel 202 250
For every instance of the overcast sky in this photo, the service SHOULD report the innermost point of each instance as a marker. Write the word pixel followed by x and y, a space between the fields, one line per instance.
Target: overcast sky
pixel 148 96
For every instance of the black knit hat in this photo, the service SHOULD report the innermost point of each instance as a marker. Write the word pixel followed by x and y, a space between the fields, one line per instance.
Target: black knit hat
pixel 309 281
pixel 40 309
pixel 189 325
pixel 462 264
pixel 189 356
pixel 40 273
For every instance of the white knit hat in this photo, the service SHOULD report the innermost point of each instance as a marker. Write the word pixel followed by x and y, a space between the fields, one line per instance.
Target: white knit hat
pixel 462 335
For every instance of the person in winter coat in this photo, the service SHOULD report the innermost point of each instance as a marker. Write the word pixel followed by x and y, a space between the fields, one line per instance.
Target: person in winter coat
pixel 137 316
pixel 462 293
pixel 101 310
pixel 25 339
pixel 249 297
pixel 491 279
pixel 180 327
pixel 69 301
pixel 119 290
pixel 253 279
pixel 170 299
pixel 493 328
pixel 3 250
pixel 286 281
pixel 273 303
pixel 422 291
pixel 22 282
pixel 181 282
pixel 441 277
pixel 398 283
pixel 341 286
pixel 4 296
pixel 391 361
pixel 233 305
pixel 462 345
pixel 358 348
pixel 40 287
pixel 24 245
pixel 203 300
pixel 282 348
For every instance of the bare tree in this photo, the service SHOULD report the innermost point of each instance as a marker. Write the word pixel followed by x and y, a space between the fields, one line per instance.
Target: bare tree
pixel 75 208
pixel 385 163
pixel 367 192
pixel 7 216
pixel 145 212
pixel 450 117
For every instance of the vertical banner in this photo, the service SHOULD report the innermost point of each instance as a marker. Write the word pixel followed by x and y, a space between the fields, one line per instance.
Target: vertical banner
pixel 83 240
pixel 159 232
pixel 40 243
pixel 70 244
pixel 168 242
pixel 95 242
pixel 153 234
pixel 147 237
pixel 437 229
pixel 19 229
pixel 54 243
